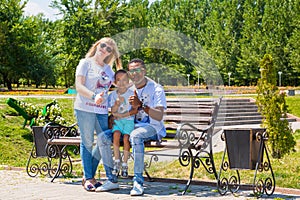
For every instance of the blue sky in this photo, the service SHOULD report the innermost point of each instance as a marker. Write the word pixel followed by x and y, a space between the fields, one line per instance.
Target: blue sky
pixel 33 7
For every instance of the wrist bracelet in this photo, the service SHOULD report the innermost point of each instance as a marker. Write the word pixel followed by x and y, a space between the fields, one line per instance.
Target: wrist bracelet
pixel 144 106
pixel 94 96
pixel 141 106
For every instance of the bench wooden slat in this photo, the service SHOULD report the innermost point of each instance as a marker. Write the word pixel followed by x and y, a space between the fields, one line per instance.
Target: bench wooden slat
pixel 170 144
pixel 173 110
pixel 188 105
pixel 173 126
pixel 183 118
pixel 65 141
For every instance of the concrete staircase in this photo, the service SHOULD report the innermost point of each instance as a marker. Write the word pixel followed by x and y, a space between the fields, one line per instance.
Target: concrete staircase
pixel 239 111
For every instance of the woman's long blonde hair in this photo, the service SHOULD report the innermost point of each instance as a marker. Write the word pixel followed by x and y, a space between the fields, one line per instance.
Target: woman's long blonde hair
pixel 113 57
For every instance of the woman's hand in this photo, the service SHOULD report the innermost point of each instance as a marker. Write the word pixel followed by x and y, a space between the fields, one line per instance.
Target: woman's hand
pixel 99 98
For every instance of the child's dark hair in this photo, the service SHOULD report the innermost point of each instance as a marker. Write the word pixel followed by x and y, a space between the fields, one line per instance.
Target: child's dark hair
pixel 120 71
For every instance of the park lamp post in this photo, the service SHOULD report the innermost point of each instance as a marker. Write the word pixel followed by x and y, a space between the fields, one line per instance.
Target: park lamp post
pixel 229 74
pixel 188 76
pixel 198 72
pixel 279 73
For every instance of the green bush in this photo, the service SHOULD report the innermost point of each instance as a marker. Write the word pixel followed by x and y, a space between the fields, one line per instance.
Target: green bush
pixel 272 106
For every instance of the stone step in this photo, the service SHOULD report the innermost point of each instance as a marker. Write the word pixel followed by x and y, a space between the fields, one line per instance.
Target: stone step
pixel 244 106
pixel 240 118
pixel 241 113
pixel 237 103
pixel 224 100
pixel 243 121
pixel 236 122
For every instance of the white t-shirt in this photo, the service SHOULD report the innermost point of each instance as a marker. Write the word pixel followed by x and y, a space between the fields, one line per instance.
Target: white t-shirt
pixel 97 79
pixel 125 106
pixel 152 95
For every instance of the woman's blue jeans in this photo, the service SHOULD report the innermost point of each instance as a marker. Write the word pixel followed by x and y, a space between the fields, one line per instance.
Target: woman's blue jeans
pixel 90 156
pixel 104 142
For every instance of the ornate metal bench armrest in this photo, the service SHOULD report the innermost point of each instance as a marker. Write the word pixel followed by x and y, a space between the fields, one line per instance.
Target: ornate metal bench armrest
pixel 53 130
pixel 187 134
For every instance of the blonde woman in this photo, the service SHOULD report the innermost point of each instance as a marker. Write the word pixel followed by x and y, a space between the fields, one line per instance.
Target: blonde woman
pixel 94 77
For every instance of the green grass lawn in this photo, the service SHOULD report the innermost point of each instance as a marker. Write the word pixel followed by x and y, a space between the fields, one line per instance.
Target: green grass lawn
pixel 16 144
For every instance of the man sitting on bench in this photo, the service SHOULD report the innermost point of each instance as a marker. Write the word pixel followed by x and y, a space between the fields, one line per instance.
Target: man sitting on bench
pixel 150 101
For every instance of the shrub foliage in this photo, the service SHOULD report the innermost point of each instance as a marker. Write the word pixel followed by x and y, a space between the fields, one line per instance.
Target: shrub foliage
pixel 272 106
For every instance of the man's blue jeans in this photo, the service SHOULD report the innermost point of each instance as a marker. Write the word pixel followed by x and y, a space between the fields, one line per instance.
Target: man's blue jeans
pixel 137 138
pixel 88 123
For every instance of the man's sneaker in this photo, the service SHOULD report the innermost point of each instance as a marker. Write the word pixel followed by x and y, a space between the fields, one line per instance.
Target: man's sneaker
pixel 137 190
pixel 107 186
pixel 116 168
pixel 124 171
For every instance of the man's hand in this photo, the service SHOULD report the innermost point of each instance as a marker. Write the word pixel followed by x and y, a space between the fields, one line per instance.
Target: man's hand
pixel 134 101
pixel 133 111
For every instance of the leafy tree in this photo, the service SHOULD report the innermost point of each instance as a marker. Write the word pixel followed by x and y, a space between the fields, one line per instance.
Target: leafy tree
pixel 293 43
pixel 79 30
pixel 222 32
pixel 234 33
pixel 250 43
pixel 24 51
pixel 276 30
pixel 83 23
pixel 40 65
pixel 12 52
pixel 273 108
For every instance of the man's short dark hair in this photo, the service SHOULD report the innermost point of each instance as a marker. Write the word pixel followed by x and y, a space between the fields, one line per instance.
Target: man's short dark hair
pixel 137 60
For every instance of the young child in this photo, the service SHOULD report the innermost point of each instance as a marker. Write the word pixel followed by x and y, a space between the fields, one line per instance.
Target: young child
pixel 123 122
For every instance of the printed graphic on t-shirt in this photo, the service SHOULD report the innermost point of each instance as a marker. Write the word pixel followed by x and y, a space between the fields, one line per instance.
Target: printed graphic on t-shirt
pixel 124 106
pixel 104 81
pixel 142 116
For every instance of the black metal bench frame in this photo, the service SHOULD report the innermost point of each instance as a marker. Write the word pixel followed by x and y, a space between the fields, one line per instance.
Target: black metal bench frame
pixel 194 143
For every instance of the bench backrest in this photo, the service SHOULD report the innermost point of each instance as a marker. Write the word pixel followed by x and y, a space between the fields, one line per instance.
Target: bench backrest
pixel 199 112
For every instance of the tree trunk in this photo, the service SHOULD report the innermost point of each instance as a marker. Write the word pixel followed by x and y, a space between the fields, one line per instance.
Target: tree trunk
pixel 7 82
pixel 9 86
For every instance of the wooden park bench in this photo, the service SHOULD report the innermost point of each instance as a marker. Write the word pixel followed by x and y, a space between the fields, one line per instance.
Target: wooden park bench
pixel 189 123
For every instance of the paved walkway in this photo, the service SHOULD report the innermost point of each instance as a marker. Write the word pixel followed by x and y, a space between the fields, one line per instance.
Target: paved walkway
pixel 17 185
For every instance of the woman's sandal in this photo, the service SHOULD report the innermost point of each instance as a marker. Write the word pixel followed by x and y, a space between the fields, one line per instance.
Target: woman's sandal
pixel 89 187
pixel 98 184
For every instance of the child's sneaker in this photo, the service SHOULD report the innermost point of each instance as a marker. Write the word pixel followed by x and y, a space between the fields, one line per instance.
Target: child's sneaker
pixel 124 172
pixel 116 168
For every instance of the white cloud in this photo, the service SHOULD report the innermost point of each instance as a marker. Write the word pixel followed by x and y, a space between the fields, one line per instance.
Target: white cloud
pixel 34 9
